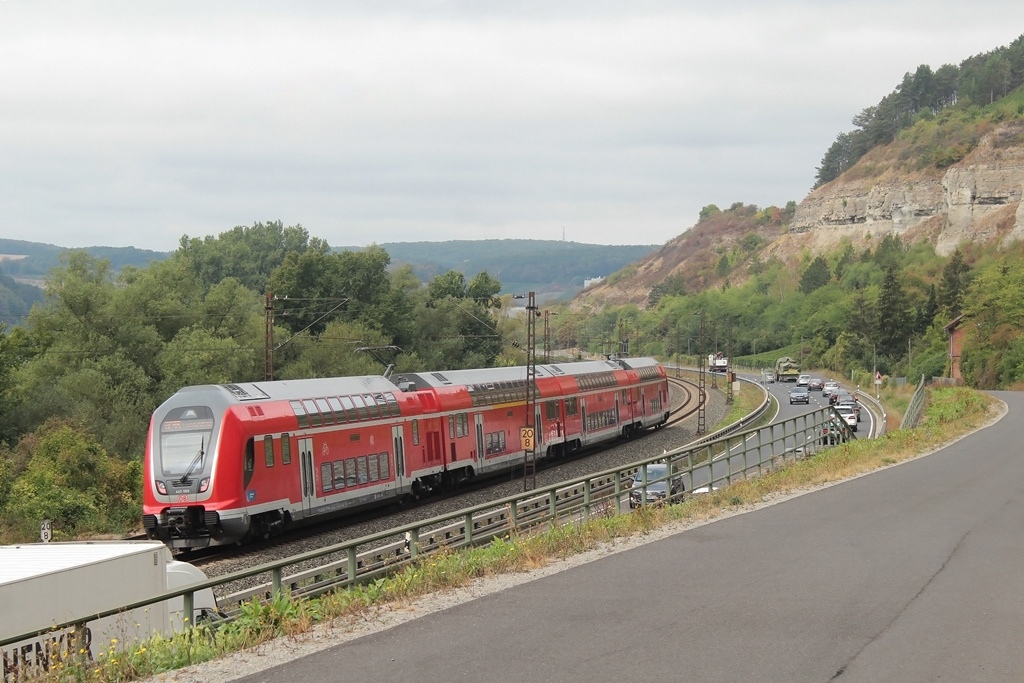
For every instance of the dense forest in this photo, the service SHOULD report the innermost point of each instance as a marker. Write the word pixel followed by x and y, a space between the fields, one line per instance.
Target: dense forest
pixel 949 93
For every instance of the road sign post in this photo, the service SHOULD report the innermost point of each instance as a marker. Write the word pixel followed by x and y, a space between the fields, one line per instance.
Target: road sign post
pixel 46 531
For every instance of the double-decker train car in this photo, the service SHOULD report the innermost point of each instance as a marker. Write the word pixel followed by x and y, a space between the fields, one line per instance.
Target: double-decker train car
pixel 225 463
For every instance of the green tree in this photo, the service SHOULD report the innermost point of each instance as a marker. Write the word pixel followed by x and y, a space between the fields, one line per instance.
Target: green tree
pixel 890 251
pixel 70 479
pixel 723 267
pixel 707 212
pixel 248 254
pixel 953 285
pixel 484 289
pixel 449 285
pixel 893 322
pixel 816 275
pixel 314 287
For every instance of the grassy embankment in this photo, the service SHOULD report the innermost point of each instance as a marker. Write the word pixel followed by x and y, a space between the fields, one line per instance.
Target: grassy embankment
pixel 950 413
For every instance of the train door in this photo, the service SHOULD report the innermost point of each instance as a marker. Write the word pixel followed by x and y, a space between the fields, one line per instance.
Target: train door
pixel 307 471
pixel 583 417
pixel 398 441
pixel 537 430
pixel 478 420
pixel 434 452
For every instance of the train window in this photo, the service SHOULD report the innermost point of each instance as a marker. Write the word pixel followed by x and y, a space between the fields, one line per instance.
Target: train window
pixel 300 413
pixel 371 406
pixel 325 410
pixel 570 406
pixel 326 480
pixel 465 424
pixel 382 405
pixel 415 432
pixel 268 450
pixel 372 463
pixel 501 441
pixel 385 466
pixel 396 410
pixel 551 410
pixel 315 420
pixel 248 462
pixel 361 468
pixel 339 475
pixel 350 409
pixel 286 449
pixel 350 472
pixel 451 426
pixel 489 440
pixel 339 410
pixel 364 413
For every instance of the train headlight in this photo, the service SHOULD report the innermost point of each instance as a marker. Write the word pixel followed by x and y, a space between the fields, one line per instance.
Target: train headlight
pixel 160 488
pixel 204 484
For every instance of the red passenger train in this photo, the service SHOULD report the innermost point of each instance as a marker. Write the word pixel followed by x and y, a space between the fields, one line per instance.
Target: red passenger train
pixel 225 463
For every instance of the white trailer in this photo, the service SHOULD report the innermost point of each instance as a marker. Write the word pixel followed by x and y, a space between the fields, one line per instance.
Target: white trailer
pixel 45 584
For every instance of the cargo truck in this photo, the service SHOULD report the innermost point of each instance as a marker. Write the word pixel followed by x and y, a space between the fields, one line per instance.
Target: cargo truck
pixel 46 584
pixel 787 370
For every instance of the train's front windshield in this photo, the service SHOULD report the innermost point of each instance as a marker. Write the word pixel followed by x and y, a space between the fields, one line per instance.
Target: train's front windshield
pixel 185 436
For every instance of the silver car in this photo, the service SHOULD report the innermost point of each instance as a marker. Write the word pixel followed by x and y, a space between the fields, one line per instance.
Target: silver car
pixel 652 489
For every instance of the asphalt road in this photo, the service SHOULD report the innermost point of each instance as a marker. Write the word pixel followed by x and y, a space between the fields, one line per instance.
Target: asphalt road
pixel 913 573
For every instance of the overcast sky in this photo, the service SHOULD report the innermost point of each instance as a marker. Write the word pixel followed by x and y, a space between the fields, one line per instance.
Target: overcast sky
pixel 134 123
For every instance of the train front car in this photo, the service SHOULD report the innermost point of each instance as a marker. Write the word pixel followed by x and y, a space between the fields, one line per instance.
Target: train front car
pixel 185 436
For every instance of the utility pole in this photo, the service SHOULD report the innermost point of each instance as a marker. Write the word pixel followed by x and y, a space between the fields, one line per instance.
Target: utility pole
pixel 530 433
pixel 702 390
pixel 678 344
pixel 729 366
pixel 714 375
pixel 268 342
pixel 547 338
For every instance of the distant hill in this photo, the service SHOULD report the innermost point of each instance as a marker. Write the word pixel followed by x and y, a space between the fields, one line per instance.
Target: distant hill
pixel 551 268
pixel 31 261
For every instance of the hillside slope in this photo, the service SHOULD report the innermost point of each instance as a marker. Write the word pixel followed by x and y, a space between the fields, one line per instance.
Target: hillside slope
pixel 977 199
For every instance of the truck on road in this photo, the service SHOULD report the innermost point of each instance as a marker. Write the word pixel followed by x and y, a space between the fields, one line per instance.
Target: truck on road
pixel 718 362
pixel 786 370
pixel 43 585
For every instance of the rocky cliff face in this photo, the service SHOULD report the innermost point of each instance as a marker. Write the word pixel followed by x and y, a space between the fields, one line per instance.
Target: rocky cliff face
pixel 975 200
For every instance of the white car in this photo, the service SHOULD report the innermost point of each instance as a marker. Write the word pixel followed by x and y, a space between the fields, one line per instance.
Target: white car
pixel 849 416
pixel 803 380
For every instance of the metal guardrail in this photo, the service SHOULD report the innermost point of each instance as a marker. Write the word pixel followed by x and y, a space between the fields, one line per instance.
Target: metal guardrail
pixel 915 408
pixel 879 411
pixel 713 462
